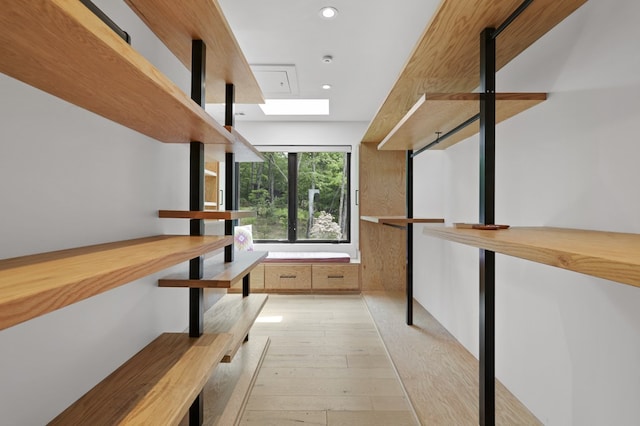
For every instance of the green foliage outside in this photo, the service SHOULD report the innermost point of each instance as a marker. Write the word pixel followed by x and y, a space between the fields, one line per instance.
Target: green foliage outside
pixel 264 189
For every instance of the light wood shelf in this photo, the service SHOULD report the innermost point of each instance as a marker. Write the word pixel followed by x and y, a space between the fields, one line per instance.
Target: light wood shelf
pixel 609 255
pixel 235 315
pixel 398 220
pixel 206 214
pixel 446 60
pixel 442 112
pixel 218 274
pixel 177 23
pixel 34 285
pixel 88 65
pixel 156 386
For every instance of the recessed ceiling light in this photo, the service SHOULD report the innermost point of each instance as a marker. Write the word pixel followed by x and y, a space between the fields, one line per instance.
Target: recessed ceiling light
pixel 326 86
pixel 327 59
pixel 328 12
pixel 295 107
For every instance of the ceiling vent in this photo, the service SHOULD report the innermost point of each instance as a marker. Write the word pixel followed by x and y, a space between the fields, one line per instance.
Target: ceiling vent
pixel 277 81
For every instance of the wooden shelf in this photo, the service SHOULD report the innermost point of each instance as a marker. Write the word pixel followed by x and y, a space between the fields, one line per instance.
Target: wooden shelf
pixel 31 286
pixel 243 149
pixel 235 315
pixel 156 386
pixel 610 255
pixel 87 64
pixel 177 23
pixel 218 274
pixel 398 220
pixel 442 112
pixel 453 39
pixel 207 215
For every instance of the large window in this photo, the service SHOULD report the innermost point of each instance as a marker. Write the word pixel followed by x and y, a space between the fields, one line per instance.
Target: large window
pixel 298 196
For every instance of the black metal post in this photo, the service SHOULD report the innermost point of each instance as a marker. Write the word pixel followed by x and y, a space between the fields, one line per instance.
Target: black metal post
pixel 292 167
pixel 409 198
pixel 487 213
pixel 230 176
pixel 196 202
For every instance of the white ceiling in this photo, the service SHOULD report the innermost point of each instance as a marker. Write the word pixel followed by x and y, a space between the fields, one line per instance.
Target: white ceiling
pixel 369 40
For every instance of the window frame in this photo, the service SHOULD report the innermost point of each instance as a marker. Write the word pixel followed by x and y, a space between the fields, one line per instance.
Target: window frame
pixel 292 196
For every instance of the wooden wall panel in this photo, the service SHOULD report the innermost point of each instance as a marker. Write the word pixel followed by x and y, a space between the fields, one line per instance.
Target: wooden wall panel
pixel 382 193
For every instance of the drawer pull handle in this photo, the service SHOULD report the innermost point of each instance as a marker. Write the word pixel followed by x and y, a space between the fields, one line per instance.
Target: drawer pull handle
pixel 335 276
pixel 287 276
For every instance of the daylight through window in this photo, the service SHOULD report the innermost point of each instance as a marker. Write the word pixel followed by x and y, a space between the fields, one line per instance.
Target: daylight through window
pixel 298 196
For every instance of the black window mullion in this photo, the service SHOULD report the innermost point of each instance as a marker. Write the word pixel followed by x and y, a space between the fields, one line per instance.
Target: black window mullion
pixel 293 197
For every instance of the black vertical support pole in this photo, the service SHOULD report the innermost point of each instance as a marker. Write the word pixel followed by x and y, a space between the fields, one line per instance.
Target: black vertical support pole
pixel 292 170
pixel 196 202
pixel 409 198
pixel 231 196
pixel 487 210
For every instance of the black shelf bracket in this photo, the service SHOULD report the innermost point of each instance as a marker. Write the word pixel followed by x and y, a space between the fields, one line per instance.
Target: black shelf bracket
pixel 105 18
pixel 409 208
pixel 487 216
pixel 196 202
pixel 230 173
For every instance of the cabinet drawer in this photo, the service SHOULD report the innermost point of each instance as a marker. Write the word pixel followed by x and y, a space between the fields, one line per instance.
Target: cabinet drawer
pixel 343 276
pixel 287 277
pixel 256 279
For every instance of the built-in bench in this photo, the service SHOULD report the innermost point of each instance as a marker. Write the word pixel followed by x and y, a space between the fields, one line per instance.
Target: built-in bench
pixel 305 272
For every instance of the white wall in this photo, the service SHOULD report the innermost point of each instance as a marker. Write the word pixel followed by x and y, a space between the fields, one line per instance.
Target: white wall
pixel 70 178
pixel 312 133
pixel 567 344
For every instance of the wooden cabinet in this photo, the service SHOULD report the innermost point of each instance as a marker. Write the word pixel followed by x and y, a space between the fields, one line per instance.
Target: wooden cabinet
pixel 211 186
pixel 335 277
pixel 287 276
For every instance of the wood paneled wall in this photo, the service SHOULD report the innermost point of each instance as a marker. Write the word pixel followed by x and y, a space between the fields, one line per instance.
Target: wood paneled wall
pixel 382 193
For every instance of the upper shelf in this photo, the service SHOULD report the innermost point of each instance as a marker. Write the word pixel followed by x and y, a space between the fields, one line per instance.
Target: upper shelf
pixel 446 58
pixel 610 255
pixel 31 286
pixel 398 220
pixel 61 47
pixel 442 112
pixel 177 23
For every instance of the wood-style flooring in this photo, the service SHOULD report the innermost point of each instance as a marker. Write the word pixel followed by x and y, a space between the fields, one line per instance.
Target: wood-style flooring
pixel 326 365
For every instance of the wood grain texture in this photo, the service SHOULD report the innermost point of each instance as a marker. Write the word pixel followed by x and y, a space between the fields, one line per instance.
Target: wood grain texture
pixel 446 58
pixel 156 386
pixel 31 286
pixel 438 373
pixel 382 191
pixel 88 65
pixel 325 357
pixel 610 255
pixel 178 23
pixel 399 220
pixel 234 314
pixel 444 112
pixel 217 274
pixel 207 215
pixel 344 276
pixel 227 390
pixel 244 151
pixel 287 276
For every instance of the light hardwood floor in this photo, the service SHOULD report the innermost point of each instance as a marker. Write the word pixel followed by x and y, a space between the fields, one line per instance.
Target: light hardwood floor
pixel 439 374
pixel 326 365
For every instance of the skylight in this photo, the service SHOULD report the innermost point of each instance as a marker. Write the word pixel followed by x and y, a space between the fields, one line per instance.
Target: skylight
pixel 295 107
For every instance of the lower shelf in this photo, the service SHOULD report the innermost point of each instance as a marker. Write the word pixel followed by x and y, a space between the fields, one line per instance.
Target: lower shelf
pixel 156 386
pixel 226 393
pixel 235 315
